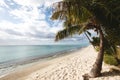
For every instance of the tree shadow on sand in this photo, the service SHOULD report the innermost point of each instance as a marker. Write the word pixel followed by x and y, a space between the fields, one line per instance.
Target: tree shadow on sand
pixel 104 74
pixel 111 73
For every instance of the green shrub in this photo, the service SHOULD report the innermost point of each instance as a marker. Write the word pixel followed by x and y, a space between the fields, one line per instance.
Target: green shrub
pixel 109 56
pixel 109 59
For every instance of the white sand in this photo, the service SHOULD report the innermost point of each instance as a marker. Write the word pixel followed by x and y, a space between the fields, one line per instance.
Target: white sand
pixel 69 67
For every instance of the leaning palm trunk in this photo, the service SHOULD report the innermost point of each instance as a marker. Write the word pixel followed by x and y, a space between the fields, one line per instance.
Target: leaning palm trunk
pixel 97 67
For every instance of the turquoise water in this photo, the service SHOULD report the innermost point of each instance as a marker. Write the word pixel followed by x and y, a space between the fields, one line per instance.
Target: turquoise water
pixel 8 53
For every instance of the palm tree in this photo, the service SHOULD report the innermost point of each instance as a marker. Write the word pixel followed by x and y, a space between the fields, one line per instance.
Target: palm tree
pixel 80 16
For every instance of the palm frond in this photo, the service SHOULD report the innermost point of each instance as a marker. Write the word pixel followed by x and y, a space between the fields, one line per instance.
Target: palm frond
pixel 89 33
pixel 69 32
pixel 58 15
pixel 74 12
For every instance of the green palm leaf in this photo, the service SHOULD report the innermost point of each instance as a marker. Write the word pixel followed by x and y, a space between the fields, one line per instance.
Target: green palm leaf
pixel 69 32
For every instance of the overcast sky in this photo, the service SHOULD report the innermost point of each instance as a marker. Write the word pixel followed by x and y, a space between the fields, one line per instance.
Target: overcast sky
pixel 28 22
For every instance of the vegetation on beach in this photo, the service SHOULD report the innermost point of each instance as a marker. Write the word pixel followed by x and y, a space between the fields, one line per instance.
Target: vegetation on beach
pixel 110 57
pixel 80 16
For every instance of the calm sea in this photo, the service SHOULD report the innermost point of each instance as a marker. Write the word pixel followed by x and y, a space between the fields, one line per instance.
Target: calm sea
pixel 8 53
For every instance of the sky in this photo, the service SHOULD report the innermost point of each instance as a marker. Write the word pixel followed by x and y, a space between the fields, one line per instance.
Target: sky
pixel 27 22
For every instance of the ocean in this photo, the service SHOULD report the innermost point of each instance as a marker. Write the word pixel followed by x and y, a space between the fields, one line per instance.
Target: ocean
pixel 12 56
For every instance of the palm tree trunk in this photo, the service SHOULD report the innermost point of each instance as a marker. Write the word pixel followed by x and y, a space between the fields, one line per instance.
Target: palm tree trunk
pixel 97 67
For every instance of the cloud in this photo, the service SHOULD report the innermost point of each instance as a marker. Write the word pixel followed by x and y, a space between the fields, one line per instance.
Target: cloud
pixel 31 9
pixel 29 2
pixel 33 25
pixel 35 3
pixel 12 32
pixel 1 9
pixel 2 3
pixel 38 29
pixel 49 3
pixel 28 14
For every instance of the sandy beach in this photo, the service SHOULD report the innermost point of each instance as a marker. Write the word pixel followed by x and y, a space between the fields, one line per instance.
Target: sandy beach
pixel 68 67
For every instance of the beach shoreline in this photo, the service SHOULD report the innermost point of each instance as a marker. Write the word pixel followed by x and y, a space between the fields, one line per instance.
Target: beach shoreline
pixel 11 66
pixel 67 67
